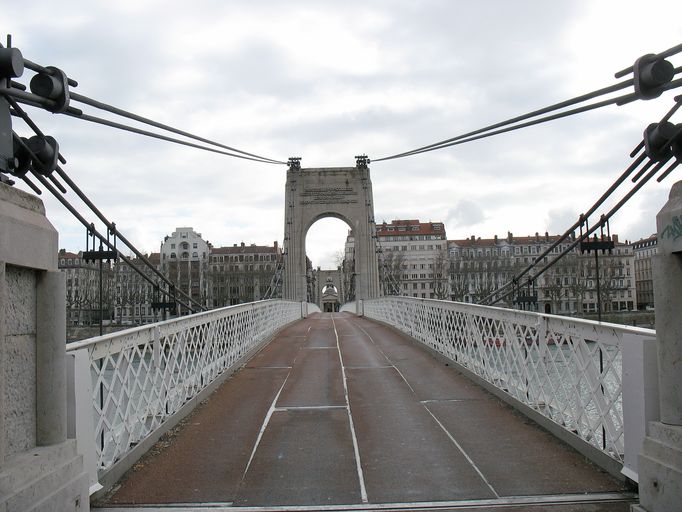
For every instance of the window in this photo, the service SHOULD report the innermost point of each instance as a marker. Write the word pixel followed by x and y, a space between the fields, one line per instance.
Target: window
pixel 172 255
pixel 172 246
pixel 194 245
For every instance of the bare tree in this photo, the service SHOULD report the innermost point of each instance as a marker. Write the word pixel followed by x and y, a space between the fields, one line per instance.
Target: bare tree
pixel 391 271
pixel 441 274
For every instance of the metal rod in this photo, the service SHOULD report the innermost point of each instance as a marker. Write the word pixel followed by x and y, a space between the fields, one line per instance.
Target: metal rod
pixel 535 113
pixel 114 110
pixel 28 96
pixel 32 185
pixel 101 308
pixel 112 228
pixel 552 117
pixel 668 171
pixel 577 223
pixel 596 264
pixel 663 55
pixel 641 172
pixel 56 183
pixel 86 200
pixel 102 238
pixel 112 124
pixel 605 218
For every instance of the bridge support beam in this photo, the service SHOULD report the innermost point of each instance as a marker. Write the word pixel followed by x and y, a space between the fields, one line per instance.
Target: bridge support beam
pixel 660 462
pixel 40 469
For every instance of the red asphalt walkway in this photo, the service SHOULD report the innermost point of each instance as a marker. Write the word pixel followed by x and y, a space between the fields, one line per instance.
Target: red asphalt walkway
pixel 341 410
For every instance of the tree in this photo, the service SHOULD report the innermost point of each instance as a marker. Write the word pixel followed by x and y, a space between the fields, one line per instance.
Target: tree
pixel 391 271
pixel 441 274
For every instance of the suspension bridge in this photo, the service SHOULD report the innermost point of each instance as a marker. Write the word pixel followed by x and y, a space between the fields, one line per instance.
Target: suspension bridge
pixel 395 403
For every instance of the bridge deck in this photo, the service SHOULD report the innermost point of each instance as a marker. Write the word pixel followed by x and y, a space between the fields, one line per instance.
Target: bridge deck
pixel 341 410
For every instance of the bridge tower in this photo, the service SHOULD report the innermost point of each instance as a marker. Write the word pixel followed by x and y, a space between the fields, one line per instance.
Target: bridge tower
pixel 316 193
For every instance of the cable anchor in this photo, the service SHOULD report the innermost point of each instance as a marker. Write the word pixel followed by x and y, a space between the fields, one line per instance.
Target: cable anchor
pixel 52 83
pixel 650 73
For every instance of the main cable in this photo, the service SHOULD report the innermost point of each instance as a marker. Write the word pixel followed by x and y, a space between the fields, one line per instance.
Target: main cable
pixel 592 229
pixel 535 113
pixel 113 124
pixel 115 110
pixel 462 140
pixel 103 239
pixel 645 87
pixel 110 226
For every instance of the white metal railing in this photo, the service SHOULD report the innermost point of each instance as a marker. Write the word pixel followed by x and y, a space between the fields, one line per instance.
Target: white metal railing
pixel 574 372
pixel 127 384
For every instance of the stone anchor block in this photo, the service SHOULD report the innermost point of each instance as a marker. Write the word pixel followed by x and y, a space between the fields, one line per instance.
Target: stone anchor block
pixel 660 462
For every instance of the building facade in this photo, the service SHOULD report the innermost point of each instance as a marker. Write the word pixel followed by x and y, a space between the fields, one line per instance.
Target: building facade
pixel 242 273
pixel 133 294
pixel 644 250
pixel 479 266
pixel 413 259
pixel 184 257
pixel 83 289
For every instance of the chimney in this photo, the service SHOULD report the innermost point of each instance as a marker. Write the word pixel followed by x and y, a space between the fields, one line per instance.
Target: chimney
pixel 546 236
pixel 615 239
pixel 243 244
pixel 275 245
pixel 495 239
pixel 510 236
pixel 473 238
pixel 537 236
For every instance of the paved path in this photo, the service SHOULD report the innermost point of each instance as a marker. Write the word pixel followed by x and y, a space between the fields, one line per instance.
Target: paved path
pixel 339 410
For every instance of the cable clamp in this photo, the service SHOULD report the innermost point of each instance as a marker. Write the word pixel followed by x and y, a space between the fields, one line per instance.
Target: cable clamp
pixel 650 74
pixel 52 84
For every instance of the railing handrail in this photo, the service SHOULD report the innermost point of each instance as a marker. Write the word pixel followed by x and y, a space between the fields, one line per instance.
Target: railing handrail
pixel 621 328
pixel 76 345
pixel 130 386
pixel 594 384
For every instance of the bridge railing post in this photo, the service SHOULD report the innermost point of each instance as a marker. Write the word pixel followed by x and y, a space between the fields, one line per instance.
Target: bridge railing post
pixel 640 397
pixel 660 462
pixel 80 424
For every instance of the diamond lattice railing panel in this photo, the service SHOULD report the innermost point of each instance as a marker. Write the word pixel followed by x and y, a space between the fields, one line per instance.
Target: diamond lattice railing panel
pixel 141 376
pixel 568 370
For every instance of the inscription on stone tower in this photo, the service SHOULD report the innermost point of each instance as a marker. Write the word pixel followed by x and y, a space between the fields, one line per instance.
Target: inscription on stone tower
pixel 328 195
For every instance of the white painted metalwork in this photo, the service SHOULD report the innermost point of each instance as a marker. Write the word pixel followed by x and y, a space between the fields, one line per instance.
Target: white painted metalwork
pixel 132 381
pixel 571 371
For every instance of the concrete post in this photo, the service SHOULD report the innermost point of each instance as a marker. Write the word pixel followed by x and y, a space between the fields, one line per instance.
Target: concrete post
pixel 660 463
pixel 40 469
pixel 50 360
pixel 3 363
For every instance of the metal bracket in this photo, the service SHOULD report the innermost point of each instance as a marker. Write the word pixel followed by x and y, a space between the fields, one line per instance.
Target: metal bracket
pixel 650 73
pixel 52 83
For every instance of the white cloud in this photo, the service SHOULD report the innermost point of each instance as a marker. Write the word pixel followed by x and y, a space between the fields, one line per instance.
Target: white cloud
pixel 329 80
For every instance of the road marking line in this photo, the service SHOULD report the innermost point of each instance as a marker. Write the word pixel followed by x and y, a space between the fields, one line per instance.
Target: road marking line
pixel 356 448
pixel 308 408
pixel 265 425
pixel 466 455
pixel 454 441
pixel 478 504
pixel 441 400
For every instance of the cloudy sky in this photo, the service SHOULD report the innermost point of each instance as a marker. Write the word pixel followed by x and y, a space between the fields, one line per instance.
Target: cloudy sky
pixel 328 80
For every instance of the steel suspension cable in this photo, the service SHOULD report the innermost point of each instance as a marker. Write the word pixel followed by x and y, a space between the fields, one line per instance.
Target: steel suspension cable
pixel 110 226
pixel 620 99
pixel 597 225
pixel 469 136
pixel 115 110
pixel 112 124
pixel 535 113
pixel 103 239
pixel 638 161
